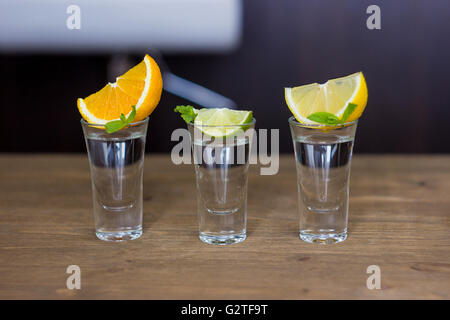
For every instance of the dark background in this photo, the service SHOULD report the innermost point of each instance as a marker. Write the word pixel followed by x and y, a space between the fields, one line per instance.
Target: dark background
pixel 285 43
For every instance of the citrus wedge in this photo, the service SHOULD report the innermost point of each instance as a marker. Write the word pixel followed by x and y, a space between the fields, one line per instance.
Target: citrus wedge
pixel 141 86
pixel 332 97
pixel 221 122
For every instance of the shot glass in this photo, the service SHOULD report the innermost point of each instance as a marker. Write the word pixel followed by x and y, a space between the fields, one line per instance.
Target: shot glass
pixel 323 157
pixel 116 161
pixel 221 168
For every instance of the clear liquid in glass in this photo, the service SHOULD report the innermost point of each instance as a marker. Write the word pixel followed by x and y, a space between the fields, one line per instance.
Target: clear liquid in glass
pixel 116 175
pixel 222 190
pixel 323 171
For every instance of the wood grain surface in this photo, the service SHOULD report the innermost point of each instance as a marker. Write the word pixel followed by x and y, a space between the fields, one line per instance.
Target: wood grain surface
pixel 399 220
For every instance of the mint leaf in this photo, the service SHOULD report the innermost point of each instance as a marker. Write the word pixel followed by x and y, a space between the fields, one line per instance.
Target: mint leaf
pixel 117 125
pixel 114 126
pixel 331 119
pixel 132 114
pixel 348 111
pixel 324 118
pixel 188 113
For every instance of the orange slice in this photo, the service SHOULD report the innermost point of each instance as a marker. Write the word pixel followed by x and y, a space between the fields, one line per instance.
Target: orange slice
pixel 141 86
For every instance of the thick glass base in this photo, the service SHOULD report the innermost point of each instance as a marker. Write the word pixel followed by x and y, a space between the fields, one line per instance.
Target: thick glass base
pixel 119 236
pixel 222 240
pixel 323 238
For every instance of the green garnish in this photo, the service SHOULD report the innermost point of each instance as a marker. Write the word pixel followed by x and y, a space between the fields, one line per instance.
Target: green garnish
pixel 331 119
pixel 324 118
pixel 348 111
pixel 188 113
pixel 117 125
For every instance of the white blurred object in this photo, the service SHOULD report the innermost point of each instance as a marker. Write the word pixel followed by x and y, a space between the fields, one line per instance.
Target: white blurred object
pixel 121 25
pixel 198 94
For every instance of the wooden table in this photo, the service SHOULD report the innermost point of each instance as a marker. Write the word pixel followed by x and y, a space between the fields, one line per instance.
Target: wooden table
pixel 399 220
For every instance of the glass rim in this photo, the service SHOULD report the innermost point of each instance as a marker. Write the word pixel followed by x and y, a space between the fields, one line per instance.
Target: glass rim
pixel 84 122
pixel 223 126
pixel 294 121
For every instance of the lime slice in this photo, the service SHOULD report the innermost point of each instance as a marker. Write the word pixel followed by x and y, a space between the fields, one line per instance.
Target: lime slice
pixel 214 121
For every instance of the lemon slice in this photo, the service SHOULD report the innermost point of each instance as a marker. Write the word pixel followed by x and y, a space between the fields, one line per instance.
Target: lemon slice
pixel 332 97
pixel 214 121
